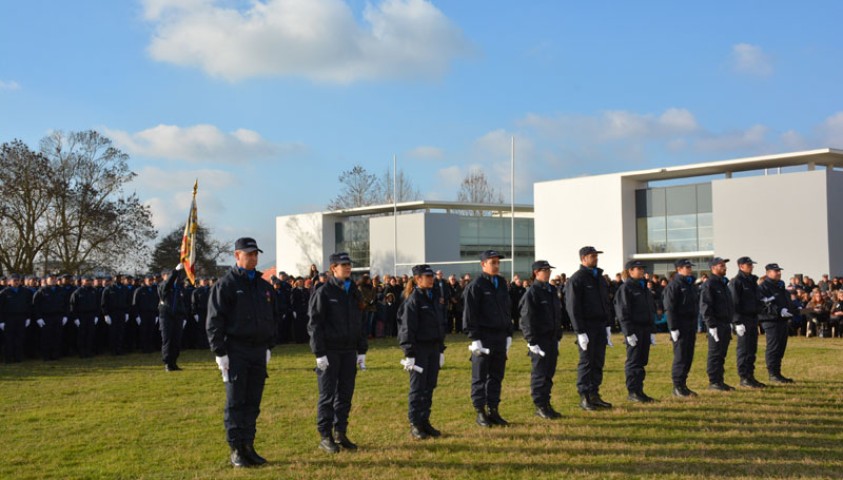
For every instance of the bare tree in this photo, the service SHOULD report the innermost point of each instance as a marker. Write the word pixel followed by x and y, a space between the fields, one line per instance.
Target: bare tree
pixel 475 188
pixel 359 189
pixel 405 190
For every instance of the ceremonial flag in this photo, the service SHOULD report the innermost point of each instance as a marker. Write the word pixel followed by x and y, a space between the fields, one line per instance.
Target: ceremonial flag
pixel 187 255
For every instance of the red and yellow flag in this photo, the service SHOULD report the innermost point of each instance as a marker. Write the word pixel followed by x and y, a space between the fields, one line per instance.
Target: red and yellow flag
pixel 187 255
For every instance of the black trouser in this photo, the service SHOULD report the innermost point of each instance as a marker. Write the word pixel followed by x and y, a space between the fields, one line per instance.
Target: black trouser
pixel 683 350
pixel 776 333
pixel 86 336
pixel 171 331
pixel 590 366
pixel 544 368
pixel 637 358
pixel 422 384
pixel 147 332
pixel 116 332
pixel 717 353
pixel 69 336
pixel 51 337
pixel 131 329
pixel 747 348
pixel 13 339
pixel 336 388
pixel 243 391
pixel 285 327
pixel 487 372
pixel 201 332
pixel 300 327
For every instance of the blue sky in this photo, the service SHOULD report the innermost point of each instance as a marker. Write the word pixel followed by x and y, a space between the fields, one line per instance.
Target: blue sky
pixel 266 102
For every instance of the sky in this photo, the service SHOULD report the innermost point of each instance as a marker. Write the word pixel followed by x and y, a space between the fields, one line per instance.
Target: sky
pixel 267 102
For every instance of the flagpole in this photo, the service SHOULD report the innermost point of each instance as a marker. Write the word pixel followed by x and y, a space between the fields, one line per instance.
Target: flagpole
pixel 394 217
pixel 512 206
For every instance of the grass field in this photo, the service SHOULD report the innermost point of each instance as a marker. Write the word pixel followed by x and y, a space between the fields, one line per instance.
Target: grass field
pixel 115 418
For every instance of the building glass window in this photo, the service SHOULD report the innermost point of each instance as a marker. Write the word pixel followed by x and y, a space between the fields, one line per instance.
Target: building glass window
pixel 674 219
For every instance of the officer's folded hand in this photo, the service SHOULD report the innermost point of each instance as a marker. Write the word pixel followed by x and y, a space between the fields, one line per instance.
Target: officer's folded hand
pixel 768 299
pixel 183 323
pixel 76 322
pixel 27 323
pixel 126 319
pixel 582 340
pixel 652 339
pixel 441 359
pixel 40 322
pixel 179 266
pixel 632 340
pixel 361 361
pixel 268 356
pixel 609 337
pixel 536 350
pixel 108 320
pixel 223 364
pixel 674 334
pixel 408 363
pixel 96 320
pixel 196 318
pixel 785 313
pixel 63 321
pixel 2 326
pixel 714 335
pixel 476 348
pixel 740 329
pixel 322 363
pixel 508 343
pixel 138 320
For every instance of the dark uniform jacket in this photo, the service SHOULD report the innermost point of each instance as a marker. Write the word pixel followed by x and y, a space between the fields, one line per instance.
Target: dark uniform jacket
pixel 635 306
pixel 487 308
pixel 241 310
pixel 115 299
pixel 85 301
pixel 772 310
pixel 541 313
pixel 421 322
pixel 50 301
pixel 336 319
pixel 745 295
pixel 681 301
pixel 15 303
pixel 587 299
pixel 199 301
pixel 171 296
pixel 145 300
pixel 716 304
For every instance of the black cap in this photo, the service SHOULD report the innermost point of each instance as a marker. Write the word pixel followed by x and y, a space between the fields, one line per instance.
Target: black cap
pixel 422 270
pixel 541 264
pixel 588 251
pixel 773 266
pixel 339 258
pixel 744 260
pixel 88 277
pixel 717 260
pixel 282 273
pixel 490 254
pixel 634 264
pixel 14 276
pixel 247 244
pixel 683 262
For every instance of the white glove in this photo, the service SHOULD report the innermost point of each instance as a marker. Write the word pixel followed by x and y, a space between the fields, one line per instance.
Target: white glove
pixel 126 319
pixel 674 334
pixel 196 317
pixel 76 322
pixel 63 321
pixel 322 363
pixel 138 320
pixel 268 356
pixel 26 324
pixel 632 340
pixel 785 313
pixel 441 359
pixel 740 330
pixel 713 333
pixel 179 266
pixel 536 350
pixel 361 361
pixel 652 339
pixel 408 363
pixel 609 337
pixel 156 320
pixel 183 323
pixel 582 339
pixel 96 320
pixel 40 322
pixel 2 326
pixel 768 299
pixel 223 364
pixel 476 348
pixel 107 320
pixel 508 344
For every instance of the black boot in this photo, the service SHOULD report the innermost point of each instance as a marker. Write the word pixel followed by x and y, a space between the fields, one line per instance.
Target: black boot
pixel 418 432
pixel 496 418
pixel 720 386
pixel 252 455
pixel 543 411
pixel 344 442
pixel 683 391
pixel 639 397
pixel 328 445
pixel 430 430
pixel 238 456
pixel 553 413
pixel 599 402
pixel 483 418
pixel 586 403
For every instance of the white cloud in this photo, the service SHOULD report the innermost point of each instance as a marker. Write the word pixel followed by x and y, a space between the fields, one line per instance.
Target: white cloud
pixel 316 39
pixel 9 85
pixel 615 125
pixel 751 60
pixel 751 138
pixel 426 152
pixel 831 131
pixel 198 143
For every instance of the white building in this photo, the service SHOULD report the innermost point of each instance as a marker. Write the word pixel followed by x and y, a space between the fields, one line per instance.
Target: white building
pixel 785 208
pixel 436 233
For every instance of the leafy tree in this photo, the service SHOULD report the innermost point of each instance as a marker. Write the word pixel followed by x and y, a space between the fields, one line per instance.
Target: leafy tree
pixel 165 254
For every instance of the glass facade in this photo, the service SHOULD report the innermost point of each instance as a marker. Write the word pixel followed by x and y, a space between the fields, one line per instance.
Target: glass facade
pixel 674 219
pixel 494 233
pixel 352 236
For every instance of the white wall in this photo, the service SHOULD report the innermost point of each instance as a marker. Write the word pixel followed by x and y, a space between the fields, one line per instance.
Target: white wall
pixel 411 242
pixel 835 222
pixel 299 242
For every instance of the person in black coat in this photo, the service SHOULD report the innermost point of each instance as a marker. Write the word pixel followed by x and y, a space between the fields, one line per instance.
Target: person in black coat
pixel 778 308
pixel 145 305
pixel 15 317
pixel 338 339
pixel 50 310
pixel 541 322
pixel 421 335
pixel 635 309
pixel 747 300
pixel 115 305
pixel 84 309
pixel 241 327
pixel 172 311
pixel 300 299
pixel 488 323
pixel 682 308
pixel 717 309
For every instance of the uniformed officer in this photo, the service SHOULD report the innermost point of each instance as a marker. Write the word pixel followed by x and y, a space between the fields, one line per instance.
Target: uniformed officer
pixel 172 313
pixel 15 317
pixel 421 335
pixel 778 309
pixel 717 309
pixel 635 309
pixel 747 300
pixel 131 337
pixel 69 329
pixel 115 307
pixel 145 304
pixel 587 303
pixel 84 309
pixel 338 339
pixel 49 307
pixel 199 309
pixel 488 323
pixel 241 326
pixel 541 322
pixel 682 307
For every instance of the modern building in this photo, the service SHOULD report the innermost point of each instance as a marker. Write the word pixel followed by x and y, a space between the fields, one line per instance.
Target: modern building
pixel 447 235
pixel 785 208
